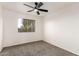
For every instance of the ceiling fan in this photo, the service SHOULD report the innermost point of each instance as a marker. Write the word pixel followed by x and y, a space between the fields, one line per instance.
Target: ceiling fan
pixel 37 8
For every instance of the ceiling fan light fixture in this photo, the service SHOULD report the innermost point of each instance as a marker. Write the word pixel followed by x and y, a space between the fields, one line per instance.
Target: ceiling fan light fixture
pixel 35 10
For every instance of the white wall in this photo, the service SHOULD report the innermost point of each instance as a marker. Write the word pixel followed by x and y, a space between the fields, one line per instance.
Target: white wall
pixel 62 28
pixel 1 28
pixel 11 34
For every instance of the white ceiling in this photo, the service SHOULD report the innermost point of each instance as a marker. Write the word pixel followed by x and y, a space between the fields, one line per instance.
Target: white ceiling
pixel 50 6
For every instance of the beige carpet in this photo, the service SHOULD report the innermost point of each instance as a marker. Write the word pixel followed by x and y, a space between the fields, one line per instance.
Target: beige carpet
pixel 39 48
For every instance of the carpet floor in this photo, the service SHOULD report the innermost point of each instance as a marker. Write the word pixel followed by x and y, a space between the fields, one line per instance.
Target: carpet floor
pixel 39 48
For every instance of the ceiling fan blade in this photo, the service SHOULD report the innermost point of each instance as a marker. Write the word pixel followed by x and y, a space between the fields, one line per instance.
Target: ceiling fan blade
pixel 40 4
pixel 36 3
pixel 30 10
pixel 28 5
pixel 44 10
pixel 38 13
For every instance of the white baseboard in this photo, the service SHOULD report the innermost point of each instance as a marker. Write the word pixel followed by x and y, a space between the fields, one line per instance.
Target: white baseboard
pixel 9 45
pixel 60 47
